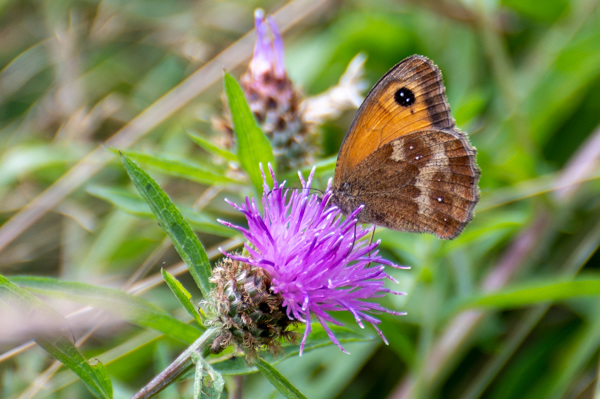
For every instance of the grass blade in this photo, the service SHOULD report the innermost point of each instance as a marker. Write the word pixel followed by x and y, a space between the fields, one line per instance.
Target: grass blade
pixel 323 167
pixel 58 346
pixel 534 292
pixel 133 309
pixel 278 380
pixel 208 146
pixel 133 204
pixel 181 168
pixel 94 376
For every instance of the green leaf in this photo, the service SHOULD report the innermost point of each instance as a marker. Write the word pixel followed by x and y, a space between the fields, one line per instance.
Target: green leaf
pixel 578 349
pixel 19 161
pixel 181 168
pixel 57 344
pixel 133 204
pixel 95 376
pixel 182 295
pixel 253 146
pixel 212 148
pixel 278 380
pixel 172 222
pixel 133 309
pixel 534 292
pixel 213 388
pixel 323 167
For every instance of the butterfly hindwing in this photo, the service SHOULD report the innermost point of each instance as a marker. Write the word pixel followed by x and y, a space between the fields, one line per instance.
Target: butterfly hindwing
pixel 426 181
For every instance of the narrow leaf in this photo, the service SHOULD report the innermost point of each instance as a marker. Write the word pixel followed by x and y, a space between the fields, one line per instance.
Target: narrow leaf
pixel 172 222
pixel 181 168
pixel 318 338
pixel 57 343
pixel 323 167
pixel 534 292
pixel 253 146
pixel 182 295
pixel 212 148
pixel 278 380
pixel 133 204
pixel 198 376
pixel 94 376
pixel 133 309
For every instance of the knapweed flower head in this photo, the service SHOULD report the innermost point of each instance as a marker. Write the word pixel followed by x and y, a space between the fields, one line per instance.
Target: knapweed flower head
pixel 317 261
pixel 288 120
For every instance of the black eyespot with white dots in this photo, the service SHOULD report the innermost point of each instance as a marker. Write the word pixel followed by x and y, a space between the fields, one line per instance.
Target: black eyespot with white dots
pixel 404 97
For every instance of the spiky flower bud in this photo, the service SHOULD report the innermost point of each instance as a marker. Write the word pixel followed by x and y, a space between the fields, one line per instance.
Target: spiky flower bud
pixel 245 310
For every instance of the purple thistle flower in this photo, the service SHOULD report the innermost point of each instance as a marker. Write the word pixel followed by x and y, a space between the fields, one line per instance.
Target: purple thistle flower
pixel 318 262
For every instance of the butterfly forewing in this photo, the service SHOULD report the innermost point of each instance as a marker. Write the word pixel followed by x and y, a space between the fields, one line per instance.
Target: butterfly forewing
pixel 388 112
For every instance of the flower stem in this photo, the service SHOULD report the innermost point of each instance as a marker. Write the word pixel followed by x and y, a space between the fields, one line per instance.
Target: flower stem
pixel 176 368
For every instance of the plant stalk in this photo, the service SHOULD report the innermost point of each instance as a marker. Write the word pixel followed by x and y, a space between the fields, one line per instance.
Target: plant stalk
pixel 176 368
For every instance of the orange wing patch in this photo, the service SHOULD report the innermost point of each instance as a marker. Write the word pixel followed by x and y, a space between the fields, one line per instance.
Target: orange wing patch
pixel 409 98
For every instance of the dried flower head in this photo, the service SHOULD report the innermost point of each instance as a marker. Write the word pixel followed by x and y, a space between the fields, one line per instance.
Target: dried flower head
pixel 316 261
pixel 244 309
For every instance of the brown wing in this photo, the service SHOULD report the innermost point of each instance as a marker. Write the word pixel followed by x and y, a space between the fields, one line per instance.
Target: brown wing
pixel 425 181
pixel 409 98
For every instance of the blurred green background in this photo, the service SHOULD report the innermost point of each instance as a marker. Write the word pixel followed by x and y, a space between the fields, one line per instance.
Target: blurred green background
pixel 510 309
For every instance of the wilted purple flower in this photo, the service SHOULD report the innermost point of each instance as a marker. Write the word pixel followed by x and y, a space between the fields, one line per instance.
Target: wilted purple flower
pixel 274 100
pixel 268 52
pixel 317 261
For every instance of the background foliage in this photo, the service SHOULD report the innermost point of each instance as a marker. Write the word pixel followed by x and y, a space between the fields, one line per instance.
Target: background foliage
pixel 509 309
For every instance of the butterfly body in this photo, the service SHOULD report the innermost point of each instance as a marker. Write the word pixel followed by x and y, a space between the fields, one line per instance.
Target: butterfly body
pixel 404 160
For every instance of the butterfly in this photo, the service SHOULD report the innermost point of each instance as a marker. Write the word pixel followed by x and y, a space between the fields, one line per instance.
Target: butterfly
pixel 403 158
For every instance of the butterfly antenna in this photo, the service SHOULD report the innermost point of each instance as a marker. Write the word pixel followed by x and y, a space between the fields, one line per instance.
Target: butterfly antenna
pixel 371 242
pixel 300 188
pixel 328 201
pixel 354 238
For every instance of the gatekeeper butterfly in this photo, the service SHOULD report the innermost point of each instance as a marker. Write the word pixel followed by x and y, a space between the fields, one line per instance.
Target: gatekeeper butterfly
pixel 404 159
